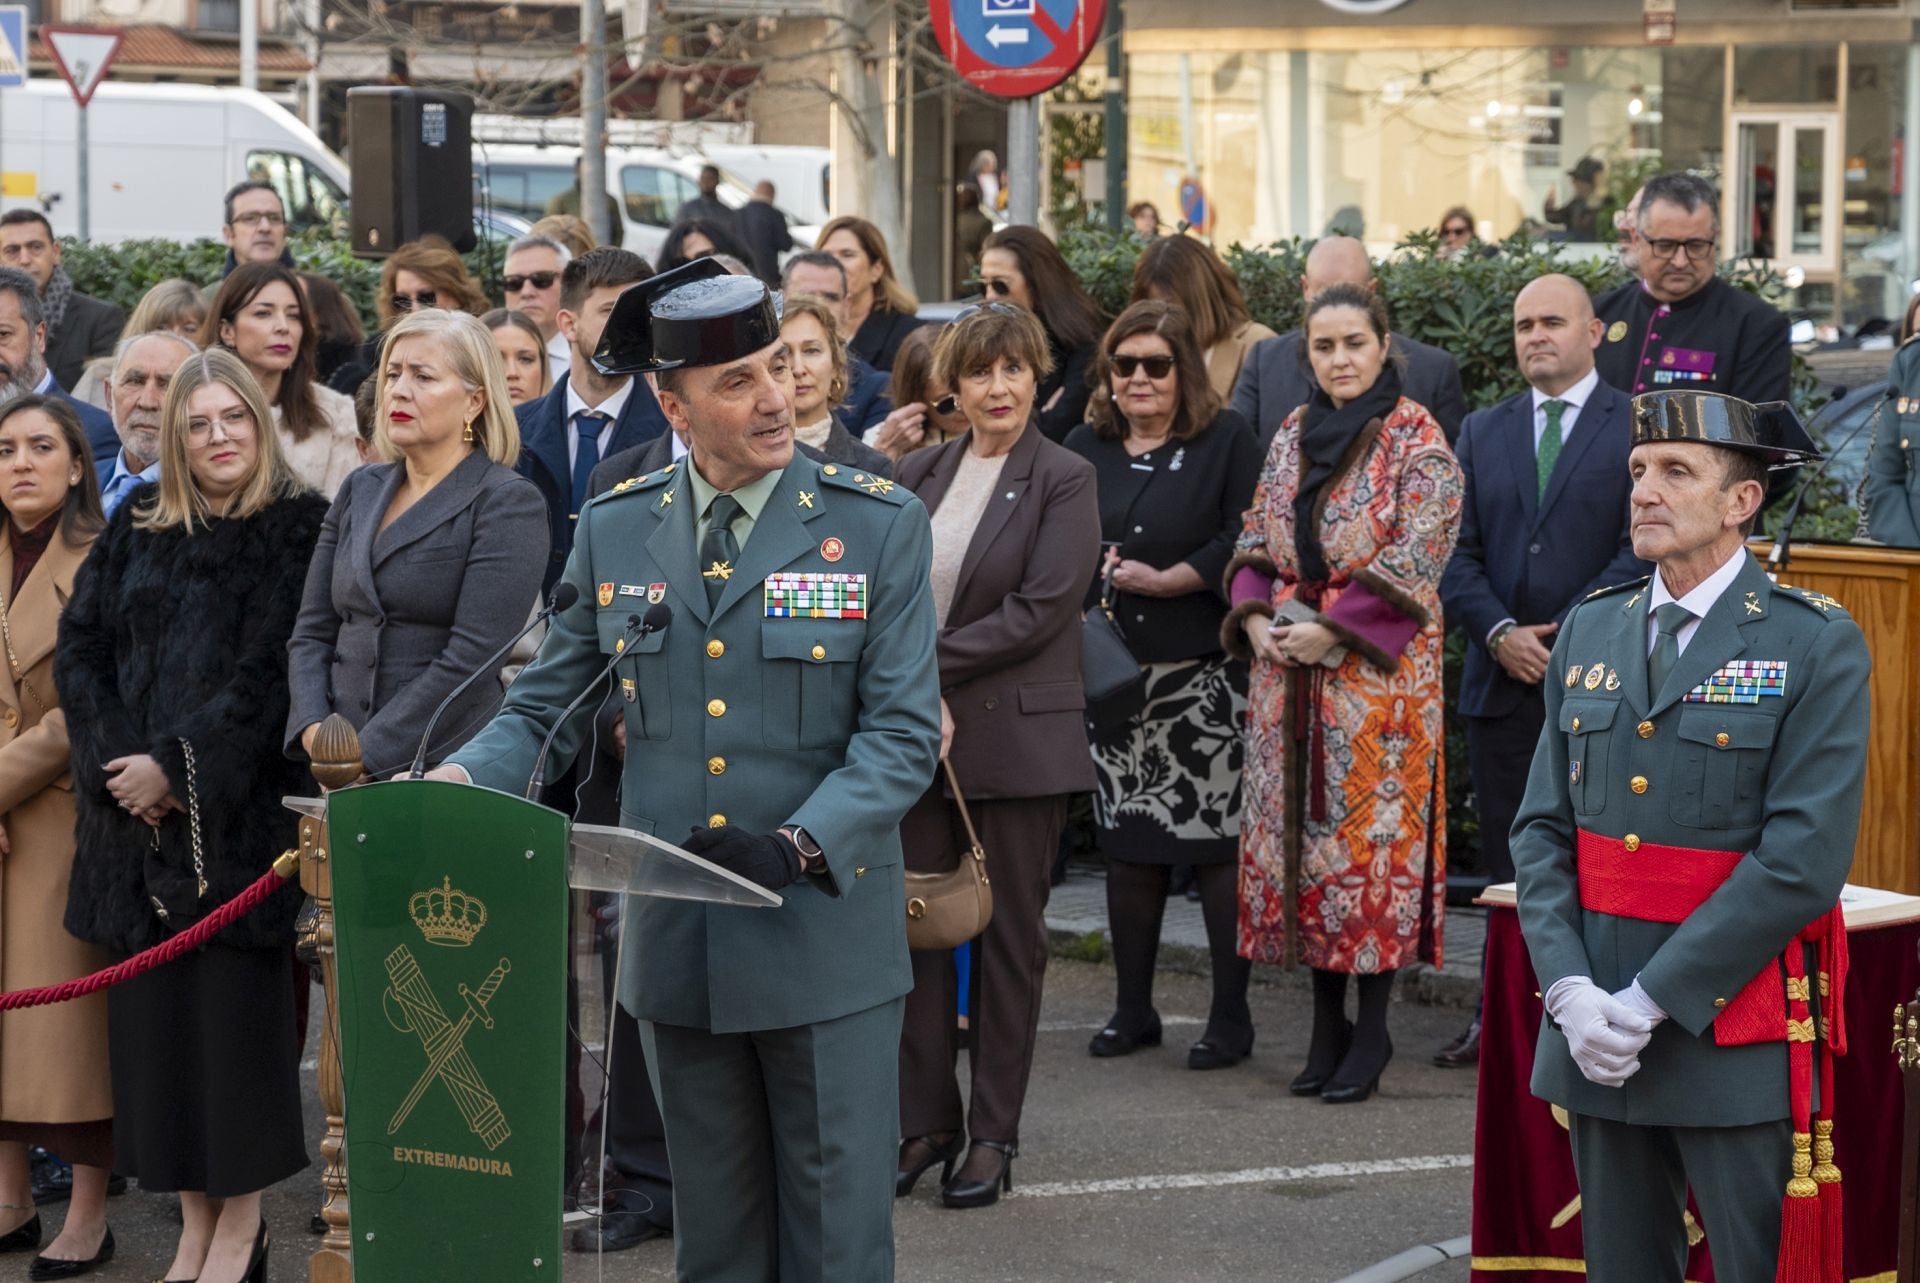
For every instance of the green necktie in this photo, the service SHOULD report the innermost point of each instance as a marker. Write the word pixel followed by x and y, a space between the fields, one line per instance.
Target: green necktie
pixel 1669 618
pixel 1549 448
pixel 719 549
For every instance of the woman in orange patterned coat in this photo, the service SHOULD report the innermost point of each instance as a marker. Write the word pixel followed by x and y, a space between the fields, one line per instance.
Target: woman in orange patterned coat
pixel 1336 592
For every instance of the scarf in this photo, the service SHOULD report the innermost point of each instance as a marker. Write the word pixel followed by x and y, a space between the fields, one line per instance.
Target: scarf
pixel 815 434
pixel 1326 434
pixel 54 300
pixel 28 545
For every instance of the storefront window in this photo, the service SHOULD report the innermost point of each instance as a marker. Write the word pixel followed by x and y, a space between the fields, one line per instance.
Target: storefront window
pixel 1875 260
pixel 1779 74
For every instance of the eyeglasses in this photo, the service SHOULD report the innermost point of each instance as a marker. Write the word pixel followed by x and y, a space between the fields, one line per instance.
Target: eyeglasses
pixel 237 422
pixel 1158 367
pixel 407 302
pixel 266 216
pixel 998 309
pixel 1695 250
pixel 514 284
pixel 1457 230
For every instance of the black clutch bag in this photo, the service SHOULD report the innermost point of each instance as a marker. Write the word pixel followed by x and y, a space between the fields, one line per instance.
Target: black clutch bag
pixel 1116 684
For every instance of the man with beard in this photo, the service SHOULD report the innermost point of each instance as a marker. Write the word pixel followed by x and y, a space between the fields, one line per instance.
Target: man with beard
pixel 141 373
pixel 79 327
pixel 23 358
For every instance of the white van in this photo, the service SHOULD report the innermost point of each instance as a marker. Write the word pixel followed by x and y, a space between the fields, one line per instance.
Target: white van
pixel 651 186
pixel 162 158
pixel 799 174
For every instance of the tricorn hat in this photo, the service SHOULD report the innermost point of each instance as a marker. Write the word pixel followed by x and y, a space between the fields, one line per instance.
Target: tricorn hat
pixel 1771 430
pixel 696 314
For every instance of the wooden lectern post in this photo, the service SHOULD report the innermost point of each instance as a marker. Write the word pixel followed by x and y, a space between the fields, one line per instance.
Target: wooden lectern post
pixel 336 764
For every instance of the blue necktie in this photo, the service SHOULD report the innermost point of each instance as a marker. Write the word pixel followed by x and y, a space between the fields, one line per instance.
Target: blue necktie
pixel 125 484
pixel 591 423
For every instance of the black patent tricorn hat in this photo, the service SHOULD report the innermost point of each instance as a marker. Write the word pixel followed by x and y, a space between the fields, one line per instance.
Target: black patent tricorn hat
pixel 1770 431
pixel 696 314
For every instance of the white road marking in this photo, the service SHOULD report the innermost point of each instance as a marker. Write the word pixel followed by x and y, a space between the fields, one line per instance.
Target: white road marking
pixel 1248 1176
pixel 1081 1026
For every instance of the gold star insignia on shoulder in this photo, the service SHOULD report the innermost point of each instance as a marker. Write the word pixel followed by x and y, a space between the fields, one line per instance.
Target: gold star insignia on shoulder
pixel 878 485
pixel 721 570
pixel 621 487
pixel 666 500
pixel 806 498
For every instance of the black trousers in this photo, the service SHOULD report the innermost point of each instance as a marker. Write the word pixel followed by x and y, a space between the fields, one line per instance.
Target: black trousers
pixel 1499 755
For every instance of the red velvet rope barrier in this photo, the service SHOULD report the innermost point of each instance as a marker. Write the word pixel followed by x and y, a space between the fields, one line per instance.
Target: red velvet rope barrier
pixel 166 951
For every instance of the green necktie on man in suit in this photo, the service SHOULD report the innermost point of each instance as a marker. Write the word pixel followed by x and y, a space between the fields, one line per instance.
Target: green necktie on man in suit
pixel 1548 451
pixel 1669 618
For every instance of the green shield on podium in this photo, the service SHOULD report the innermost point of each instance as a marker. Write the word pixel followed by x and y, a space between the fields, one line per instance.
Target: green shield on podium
pixel 450 907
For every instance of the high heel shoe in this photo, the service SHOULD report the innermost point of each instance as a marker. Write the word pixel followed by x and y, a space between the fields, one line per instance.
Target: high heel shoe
pixel 1118 1040
pixel 905 1178
pixel 1354 1093
pixel 48 1267
pixel 983 1193
pixel 257 1263
pixel 1312 1080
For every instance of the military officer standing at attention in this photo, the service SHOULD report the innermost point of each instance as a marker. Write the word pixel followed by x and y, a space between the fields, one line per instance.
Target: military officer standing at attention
pixel 1680 325
pixel 787 718
pixel 1688 824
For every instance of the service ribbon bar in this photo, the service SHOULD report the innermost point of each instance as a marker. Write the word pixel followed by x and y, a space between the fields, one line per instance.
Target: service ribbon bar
pixel 1743 681
pixel 810 595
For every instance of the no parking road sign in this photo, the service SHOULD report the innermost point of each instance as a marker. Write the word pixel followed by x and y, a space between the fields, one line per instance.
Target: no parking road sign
pixel 1017 48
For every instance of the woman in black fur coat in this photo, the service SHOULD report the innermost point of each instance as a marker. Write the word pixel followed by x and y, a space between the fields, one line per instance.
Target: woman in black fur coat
pixel 172 667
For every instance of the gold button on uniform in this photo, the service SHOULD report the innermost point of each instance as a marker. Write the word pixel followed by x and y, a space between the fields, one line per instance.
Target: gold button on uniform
pixel 1632 842
pixel 819 652
pixel 1719 1002
pixel 716 820
pixel 1638 783
pixel 716 708
pixel 1645 730
pixel 1576 723
pixel 831 471
pixel 716 648
pixel 716 766
pixel 1722 739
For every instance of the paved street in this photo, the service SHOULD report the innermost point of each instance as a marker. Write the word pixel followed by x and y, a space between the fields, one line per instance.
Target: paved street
pixel 1135 1169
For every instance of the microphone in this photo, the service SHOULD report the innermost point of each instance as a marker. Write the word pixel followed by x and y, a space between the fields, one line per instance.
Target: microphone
pixel 659 615
pixel 563 598
pixel 1777 557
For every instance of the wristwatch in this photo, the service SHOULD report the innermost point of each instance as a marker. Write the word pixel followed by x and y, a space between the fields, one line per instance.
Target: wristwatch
pixel 812 859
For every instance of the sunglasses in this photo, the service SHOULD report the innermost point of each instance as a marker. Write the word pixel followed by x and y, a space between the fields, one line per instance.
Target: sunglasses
pixel 1000 309
pixel 1456 230
pixel 946 404
pixel 1158 367
pixel 539 281
pixel 407 302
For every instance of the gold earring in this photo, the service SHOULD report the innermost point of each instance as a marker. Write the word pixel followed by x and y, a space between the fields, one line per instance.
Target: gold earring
pixel 467 433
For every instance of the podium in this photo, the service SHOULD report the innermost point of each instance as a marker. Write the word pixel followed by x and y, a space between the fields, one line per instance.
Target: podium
pixel 1880 588
pixel 440 926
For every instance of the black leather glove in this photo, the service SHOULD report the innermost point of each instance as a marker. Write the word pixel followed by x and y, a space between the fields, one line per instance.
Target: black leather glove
pixel 767 859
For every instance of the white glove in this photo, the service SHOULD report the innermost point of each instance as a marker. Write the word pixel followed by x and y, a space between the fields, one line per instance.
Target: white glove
pixel 1634 998
pixel 1604 1035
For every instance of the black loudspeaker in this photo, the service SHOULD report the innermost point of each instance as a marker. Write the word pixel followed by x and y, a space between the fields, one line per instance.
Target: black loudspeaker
pixel 412 162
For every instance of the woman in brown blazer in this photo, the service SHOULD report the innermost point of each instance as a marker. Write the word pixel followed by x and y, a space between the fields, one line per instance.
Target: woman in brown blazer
pixel 1016 539
pixel 55 1088
pixel 1182 271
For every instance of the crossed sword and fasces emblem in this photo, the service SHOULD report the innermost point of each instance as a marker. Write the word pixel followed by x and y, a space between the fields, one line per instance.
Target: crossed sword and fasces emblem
pixel 444 1041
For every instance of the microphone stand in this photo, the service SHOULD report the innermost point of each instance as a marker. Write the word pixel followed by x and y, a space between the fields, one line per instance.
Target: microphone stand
pixel 1778 557
pixel 636 629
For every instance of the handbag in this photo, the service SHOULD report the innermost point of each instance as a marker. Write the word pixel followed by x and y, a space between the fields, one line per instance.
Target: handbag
pixel 1115 682
pixel 945 910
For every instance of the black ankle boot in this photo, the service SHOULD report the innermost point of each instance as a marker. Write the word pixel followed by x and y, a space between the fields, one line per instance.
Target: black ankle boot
pixel 1371 1049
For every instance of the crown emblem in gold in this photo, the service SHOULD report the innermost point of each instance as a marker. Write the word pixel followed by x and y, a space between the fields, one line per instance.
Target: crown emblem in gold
pixel 446 917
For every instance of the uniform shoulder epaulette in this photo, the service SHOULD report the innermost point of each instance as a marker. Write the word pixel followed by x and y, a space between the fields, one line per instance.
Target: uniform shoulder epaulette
pixel 1819 602
pixel 1611 589
pixel 842 477
pixel 645 481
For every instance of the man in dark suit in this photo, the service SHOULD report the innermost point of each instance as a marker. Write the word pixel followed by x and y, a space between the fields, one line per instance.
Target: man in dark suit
pixel 23 359
pixel 79 327
pixel 868 398
pixel 588 415
pixel 1274 381
pixel 1544 524
pixel 764 230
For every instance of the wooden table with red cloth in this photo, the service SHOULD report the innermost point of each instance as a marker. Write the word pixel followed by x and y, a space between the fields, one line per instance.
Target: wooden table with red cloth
pixel 1526 1221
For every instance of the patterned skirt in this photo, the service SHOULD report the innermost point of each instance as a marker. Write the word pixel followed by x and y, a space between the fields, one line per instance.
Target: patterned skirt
pixel 1169 780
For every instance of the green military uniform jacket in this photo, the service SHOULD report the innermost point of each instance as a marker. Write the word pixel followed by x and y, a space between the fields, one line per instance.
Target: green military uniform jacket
pixel 1892 486
pixel 1778 777
pixel 736 716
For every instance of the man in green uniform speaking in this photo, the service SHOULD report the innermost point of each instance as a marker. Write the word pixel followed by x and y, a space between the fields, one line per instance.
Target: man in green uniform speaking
pixel 1688 825
pixel 787 717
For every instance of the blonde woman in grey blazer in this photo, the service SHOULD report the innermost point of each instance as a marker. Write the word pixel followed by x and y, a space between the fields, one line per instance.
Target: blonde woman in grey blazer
pixel 427 563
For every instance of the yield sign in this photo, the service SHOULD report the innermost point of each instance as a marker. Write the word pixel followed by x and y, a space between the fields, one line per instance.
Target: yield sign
pixel 1017 48
pixel 82 55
